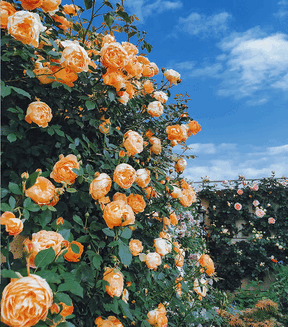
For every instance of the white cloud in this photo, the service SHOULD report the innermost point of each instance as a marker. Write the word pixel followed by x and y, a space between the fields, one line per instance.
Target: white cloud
pixel 278 149
pixel 283 9
pixel 202 25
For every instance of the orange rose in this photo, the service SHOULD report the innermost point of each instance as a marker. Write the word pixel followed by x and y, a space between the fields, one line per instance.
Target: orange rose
pixel 114 78
pixel 172 76
pixel 25 27
pixel 173 219
pixel 174 133
pixel 120 196
pixel 13 225
pixel 148 86
pixel 149 133
pixel 64 24
pixel 194 127
pixel 179 260
pixel 130 48
pixel 187 197
pixel 153 260
pixel 133 143
pixel 180 165
pixel 6 10
pixel 31 4
pixel 176 193
pixel 25 301
pixel 105 126
pixel 39 113
pixel 67 310
pixel 72 256
pixel 124 98
pixel 111 321
pixel 115 278
pixel 74 57
pixel 136 247
pixel 41 241
pixel 150 192
pixel 42 192
pixel 133 67
pixel 157 317
pixel 136 202
pixel 207 263
pixel 160 96
pixel 71 9
pixel 124 175
pixel 142 177
pixel 114 55
pixel 162 246
pixel 50 5
pixel 62 170
pixel 118 213
pixel 185 132
pixel 44 75
pixel 156 145
pixel 100 186
pixel 155 109
pixel 107 39
pixel 65 75
pixel 150 69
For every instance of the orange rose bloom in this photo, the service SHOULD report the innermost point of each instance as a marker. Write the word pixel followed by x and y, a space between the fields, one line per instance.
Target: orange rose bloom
pixel 40 241
pixel 65 75
pixel 133 68
pixel 207 263
pixel 185 132
pixel 148 86
pixel 187 197
pixel 176 193
pixel 39 113
pixel 194 127
pixel 118 213
pixel 180 165
pixel 74 57
pixel 107 39
pixel 44 75
pixel 130 48
pixel 64 24
pixel 160 96
pixel 50 5
pixel 179 260
pixel 136 202
pixel 120 196
pixel 31 4
pixel 150 69
pixel 133 143
pixel 62 170
pixel 6 10
pixel 150 191
pixel 200 290
pixel 100 186
pixel 115 278
pixel 142 177
pixel 124 98
pixel 71 9
pixel 13 225
pixel 155 109
pixel 114 78
pixel 153 260
pixel 25 301
pixel 162 246
pixel 111 321
pixel 42 192
pixel 149 133
pixel 136 247
pixel 172 76
pixel 71 256
pixel 124 175
pixel 157 317
pixel 156 145
pixel 173 219
pixel 174 133
pixel 67 310
pixel 105 126
pixel 114 55
pixel 25 27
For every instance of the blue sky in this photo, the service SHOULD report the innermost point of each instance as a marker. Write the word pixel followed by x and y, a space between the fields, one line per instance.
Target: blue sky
pixel 233 59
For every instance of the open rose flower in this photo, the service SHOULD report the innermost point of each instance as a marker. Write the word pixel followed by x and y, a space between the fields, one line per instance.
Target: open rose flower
pixel 130 48
pixel 173 219
pixel 179 260
pixel 133 143
pixel 40 241
pixel 180 165
pixel 116 282
pixel 62 170
pixel 39 113
pixel 238 206
pixel 200 288
pixel 136 202
pixel 255 187
pixel 31 4
pixel 124 175
pixel 185 132
pixel 150 192
pixel 25 27
pixel 172 76
pixel 271 220
pixel 194 127
pixel 72 256
pixel 71 9
pixel 74 56
pixel 100 186
pixel 6 10
pixel 156 147
pixel 50 6
pixel 142 177
pixel 114 55
pixel 157 317
pixel 162 246
pixel 239 192
pixel 256 203
pixel 118 213
pixel 148 86
pixel 42 192
pixel 25 301
pixel 13 225
pixel 259 213
pixel 155 109
pixel 120 196
pixel 153 260
pixel 174 133
pixel 65 75
pixel 111 321
pixel 187 197
pixel 135 247
pixel 207 263
pixel 160 96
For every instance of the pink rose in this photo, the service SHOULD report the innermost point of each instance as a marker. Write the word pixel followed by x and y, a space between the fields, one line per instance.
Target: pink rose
pixel 256 203
pixel 240 192
pixel 237 206
pixel 271 220
pixel 260 213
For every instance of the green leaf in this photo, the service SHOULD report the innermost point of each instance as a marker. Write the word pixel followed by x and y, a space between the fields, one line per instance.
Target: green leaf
pixel 75 248
pixel 124 15
pixel 108 18
pixel 90 105
pixel 78 220
pixel 50 276
pixel 97 260
pixel 5 273
pixel 62 297
pixel 66 324
pixel 108 232
pixel 5 90
pixel 20 91
pixel 71 190
pixel 4 192
pixel 11 137
pixel 32 179
pixel 5 207
pixel 73 287
pixel 145 323
pixel 45 218
pixel 12 202
pixel 44 257
pixel 111 95
pixel 125 309
pixel 125 254
pixel 30 73
pixel 51 208
pixel 126 233
pixel 14 188
pixel 30 205
pixel 88 4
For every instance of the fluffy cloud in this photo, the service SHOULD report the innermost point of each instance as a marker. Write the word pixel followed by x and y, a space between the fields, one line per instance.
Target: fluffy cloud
pixel 283 9
pixel 202 25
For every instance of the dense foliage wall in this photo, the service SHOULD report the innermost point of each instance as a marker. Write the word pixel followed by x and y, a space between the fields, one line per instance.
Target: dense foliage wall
pixel 247 229
pixel 111 238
